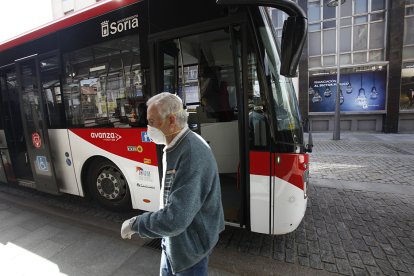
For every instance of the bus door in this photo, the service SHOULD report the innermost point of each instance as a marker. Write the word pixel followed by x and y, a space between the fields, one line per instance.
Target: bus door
pixel 13 145
pixel 33 116
pixel 210 82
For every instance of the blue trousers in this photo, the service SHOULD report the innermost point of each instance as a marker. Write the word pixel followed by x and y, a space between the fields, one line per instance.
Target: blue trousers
pixel 199 269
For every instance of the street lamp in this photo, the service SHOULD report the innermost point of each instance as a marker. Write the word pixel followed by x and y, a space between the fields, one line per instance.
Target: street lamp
pixel 337 118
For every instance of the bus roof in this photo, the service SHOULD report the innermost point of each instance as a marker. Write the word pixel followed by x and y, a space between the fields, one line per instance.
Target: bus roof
pixel 67 21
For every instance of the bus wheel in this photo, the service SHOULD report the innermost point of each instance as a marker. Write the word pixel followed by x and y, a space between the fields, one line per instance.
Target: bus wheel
pixel 108 186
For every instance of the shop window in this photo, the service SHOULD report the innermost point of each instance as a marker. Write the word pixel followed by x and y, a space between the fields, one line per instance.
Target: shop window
pixel 346 59
pixel 315 62
pixel 377 5
pixel 314 27
pixel 376 55
pixel 314 43
pixel 346 39
pixel 329 60
pixel 407 87
pixel 329 42
pixel 329 24
pixel 346 9
pixel 360 37
pixel 361 6
pixel 346 22
pixel 360 57
pixel 361 19
pixel 408 52
pixel 314 12
pixel 409 31
pixel 376 36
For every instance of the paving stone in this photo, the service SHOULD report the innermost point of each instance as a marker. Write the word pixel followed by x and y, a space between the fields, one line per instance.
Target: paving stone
pixel 339 252
pixel 343 266
pixel 397 264
pixel 380 237
pixel 355 234
pixel 360 245
pixel 313 247
pixel 303 250
pixel 279 256
pixel 315 261
pixel 359 271
pixel 330 267
pixel 367 258
pixel 378 253
pixel 290 256
pixel 355 260
pixel 369 240
pixel 304 261
pixel 334 238
pixel 374 271
pixel 400 273
pixel 387 249
pixel 324 244
pixel 395 243
pixel 386 267
pixel 327 257
pixel 348 245
pixel 410 268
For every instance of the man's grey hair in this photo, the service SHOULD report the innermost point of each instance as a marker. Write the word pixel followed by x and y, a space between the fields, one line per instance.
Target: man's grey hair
pixel 168 103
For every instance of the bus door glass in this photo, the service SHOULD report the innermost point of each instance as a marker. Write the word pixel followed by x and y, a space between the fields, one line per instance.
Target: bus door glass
pixel 35 126
pixel 169 59
pixel 14 158
pixel 207 84
pixel 5 164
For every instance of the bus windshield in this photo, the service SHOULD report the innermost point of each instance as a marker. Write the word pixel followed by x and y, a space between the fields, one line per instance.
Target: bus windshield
pixel 288 123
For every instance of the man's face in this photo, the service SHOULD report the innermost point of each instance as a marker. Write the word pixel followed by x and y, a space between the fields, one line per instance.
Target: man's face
pixel 155 120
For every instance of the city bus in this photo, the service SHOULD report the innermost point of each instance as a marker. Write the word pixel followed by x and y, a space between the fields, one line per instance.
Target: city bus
pixel 74 91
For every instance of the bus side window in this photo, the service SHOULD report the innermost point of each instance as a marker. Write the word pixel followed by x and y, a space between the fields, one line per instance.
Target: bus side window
pixel 105 90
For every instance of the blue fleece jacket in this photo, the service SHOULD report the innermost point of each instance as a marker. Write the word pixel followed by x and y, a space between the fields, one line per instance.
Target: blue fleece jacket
pixel 192 216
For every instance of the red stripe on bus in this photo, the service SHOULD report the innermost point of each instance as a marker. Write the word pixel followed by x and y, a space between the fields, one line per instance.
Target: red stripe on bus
pixel 287 166
pixel 67 21
pixel 127 143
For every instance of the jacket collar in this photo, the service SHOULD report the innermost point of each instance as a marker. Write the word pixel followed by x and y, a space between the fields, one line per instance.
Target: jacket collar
pixel 177 139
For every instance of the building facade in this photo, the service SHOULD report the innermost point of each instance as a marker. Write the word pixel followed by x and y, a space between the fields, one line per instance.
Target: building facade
pixel 376 61
pixel 65 7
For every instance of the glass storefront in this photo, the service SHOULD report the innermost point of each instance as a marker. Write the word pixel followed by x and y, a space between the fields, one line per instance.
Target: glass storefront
pixel 407 70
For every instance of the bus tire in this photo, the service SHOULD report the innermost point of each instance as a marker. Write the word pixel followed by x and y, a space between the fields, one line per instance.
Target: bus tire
pixel 108 186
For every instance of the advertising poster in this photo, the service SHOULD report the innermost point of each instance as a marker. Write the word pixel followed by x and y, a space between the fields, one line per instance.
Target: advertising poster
pixel 359 91
pixel 407 88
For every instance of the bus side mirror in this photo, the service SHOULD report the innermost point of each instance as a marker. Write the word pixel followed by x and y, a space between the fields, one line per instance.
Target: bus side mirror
pixel 293 39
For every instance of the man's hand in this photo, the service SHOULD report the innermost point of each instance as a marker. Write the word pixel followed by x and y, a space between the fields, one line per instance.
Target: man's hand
pixel 126 229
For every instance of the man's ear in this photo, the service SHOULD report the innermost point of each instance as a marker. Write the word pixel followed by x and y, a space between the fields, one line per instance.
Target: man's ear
pixel 172 119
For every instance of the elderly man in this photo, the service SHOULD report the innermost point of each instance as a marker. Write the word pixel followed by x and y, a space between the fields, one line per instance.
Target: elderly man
pixel 191 214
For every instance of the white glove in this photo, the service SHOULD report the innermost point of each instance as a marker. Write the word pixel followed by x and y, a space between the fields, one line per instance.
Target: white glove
pixel 126 229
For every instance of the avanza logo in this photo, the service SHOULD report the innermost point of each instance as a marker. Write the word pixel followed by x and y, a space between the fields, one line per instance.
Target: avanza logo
pixel 106 136
pixel 125 24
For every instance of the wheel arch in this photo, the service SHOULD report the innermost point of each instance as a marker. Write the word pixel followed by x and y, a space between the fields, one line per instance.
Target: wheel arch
pixel 84 172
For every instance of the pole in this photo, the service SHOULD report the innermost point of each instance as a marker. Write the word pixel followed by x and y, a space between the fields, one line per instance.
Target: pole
pixel 337 117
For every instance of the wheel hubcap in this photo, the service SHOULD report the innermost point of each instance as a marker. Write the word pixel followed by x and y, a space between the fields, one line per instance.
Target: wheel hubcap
pixel 110 185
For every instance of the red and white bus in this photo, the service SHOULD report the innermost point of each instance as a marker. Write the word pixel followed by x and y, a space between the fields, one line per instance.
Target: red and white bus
pixel 73 113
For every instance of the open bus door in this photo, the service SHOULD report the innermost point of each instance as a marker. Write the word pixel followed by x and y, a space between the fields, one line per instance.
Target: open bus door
pixel 30 71
pixel 211 80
